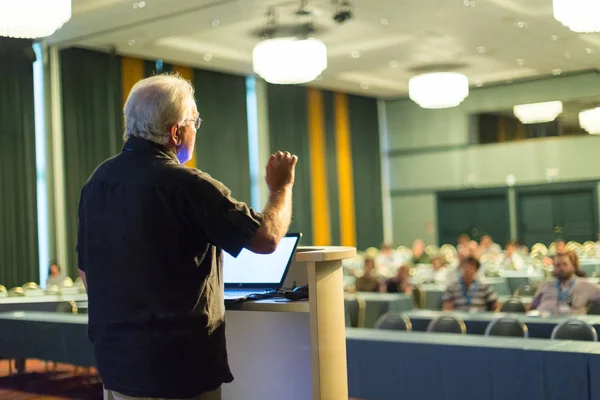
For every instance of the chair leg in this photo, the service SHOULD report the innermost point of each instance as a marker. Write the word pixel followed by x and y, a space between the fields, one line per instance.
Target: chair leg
pixel 10 366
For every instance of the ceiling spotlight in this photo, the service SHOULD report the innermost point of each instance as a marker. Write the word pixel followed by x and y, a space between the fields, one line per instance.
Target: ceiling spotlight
pixel 521 24
pixel 355 54
pixel 364 85
pixel 384 21
pixel 554 37
pixel 556 71
pixel 478 83
pixel 139 4
pixel 589 51
pixel 469 3
pixel 207 57
pixel 481 49
pixel 520 61
pixel 393 64
pixel 215 22
pixel 343 12
pixel 131 42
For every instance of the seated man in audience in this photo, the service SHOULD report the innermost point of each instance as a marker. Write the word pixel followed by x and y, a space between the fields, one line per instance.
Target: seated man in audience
pixel 400 283
pixel 419 255
pixel 512 260
pixel 387 259
pixel 367 282
pixel 487 246
pixel 463 242
pixel 55 275
pixel 469 293
pixel 566 293
pixel 440 272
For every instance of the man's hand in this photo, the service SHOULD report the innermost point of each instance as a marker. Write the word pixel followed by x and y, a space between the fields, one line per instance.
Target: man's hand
pixel 281 171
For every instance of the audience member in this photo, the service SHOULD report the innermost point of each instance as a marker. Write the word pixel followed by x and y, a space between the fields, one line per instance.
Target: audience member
pixel 487 246
pixel 367 282
pixel 419 255
pixel 463 242
pixel 512 260
pixel 469 293
pixel 400 283
pixel 566 293
pixel 387 259
pixel 469 250
pixel 55 275
pixel 522 250
pixel 441 273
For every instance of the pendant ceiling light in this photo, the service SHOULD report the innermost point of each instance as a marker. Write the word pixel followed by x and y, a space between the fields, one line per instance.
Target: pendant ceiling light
pixel 578 15
pixel 438 89
pixel 538 113
pixel 590 120
pixel 289 60
pixel 33 18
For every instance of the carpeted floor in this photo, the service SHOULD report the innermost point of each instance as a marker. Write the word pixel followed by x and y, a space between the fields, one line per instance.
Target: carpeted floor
pixel 63 383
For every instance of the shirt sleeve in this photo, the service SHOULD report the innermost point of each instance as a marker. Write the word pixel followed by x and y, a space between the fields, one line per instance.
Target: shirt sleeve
pixel 537 298
pixel 490 295
pixel 225 222
pixel 448 294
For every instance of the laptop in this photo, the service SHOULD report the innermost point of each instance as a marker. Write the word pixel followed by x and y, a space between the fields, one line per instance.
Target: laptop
pixel 250 273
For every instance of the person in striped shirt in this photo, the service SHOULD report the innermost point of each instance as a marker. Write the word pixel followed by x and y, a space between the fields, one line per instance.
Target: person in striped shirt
pixel 469 293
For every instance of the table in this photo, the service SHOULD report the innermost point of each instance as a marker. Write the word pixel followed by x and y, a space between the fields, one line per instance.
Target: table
pixel 590 267
pixel 377 304
pixel 500 286
pixel 431 295
pixel 516 279
pixel 38 303
pixel 539 327
pixel 388 365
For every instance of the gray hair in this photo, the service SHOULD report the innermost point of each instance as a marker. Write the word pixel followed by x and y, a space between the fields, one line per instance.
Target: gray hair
pixel 155 103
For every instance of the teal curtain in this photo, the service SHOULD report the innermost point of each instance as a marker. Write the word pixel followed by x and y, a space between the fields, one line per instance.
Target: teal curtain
pixel 288 131
pixel 92 125
pixel 222 141
pixel 18 211
pixel 155 67
pixel 366 155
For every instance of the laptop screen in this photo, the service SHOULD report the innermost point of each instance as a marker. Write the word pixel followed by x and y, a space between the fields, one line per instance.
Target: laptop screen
pixel 249 269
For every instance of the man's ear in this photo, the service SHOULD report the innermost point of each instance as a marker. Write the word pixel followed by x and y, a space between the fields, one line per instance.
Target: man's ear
pixel 174 134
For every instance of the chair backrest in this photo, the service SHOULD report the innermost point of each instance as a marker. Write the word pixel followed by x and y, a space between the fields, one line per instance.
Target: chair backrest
pixel 3 289
pixel 355 311
pixel 30 285
pixel 594 308
pixel 525 290
pixel 394 321
pixel 507 326
pixel 417 297
pixel 69 307
pixel 16 292
pixel 447 324
pixel 574 329
pixel 513 305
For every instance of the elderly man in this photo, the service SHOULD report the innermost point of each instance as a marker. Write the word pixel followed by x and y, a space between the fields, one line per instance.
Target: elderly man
pixel 151 236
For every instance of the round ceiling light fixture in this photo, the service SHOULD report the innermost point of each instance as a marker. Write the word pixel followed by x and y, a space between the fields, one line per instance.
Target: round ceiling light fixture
pixel 578 15
pixel 33 18
pixel 289 60
pixel 590 121
pixel 538 113
pixel 438 89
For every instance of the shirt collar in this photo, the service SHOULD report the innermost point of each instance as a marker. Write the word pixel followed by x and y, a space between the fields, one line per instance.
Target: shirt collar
pixel 144 146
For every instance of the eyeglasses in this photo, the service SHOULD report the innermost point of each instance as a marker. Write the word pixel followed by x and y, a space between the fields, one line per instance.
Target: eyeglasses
pixel 197 122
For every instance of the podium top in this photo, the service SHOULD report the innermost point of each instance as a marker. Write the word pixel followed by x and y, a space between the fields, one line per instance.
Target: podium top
pixel 323 253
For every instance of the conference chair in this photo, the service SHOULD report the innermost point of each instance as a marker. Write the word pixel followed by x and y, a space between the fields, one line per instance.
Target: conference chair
pixel 16 292
pixel 30 285
pixel 513 305
pixel 594 308
pixel 418 297
pixel 355 311
pixel 447 324
pixel 393 321
pixel 525 290
pixel 507 326
pixel 574 329
pixel 3 290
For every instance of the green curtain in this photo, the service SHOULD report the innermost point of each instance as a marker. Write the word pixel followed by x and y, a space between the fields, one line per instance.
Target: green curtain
pixel 288 131
pixel 222 141
pixel 92 125
pixel 366 155
pixel 18 211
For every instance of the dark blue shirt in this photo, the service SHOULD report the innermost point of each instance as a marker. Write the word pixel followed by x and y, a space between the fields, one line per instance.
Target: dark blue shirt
pixel 150 237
